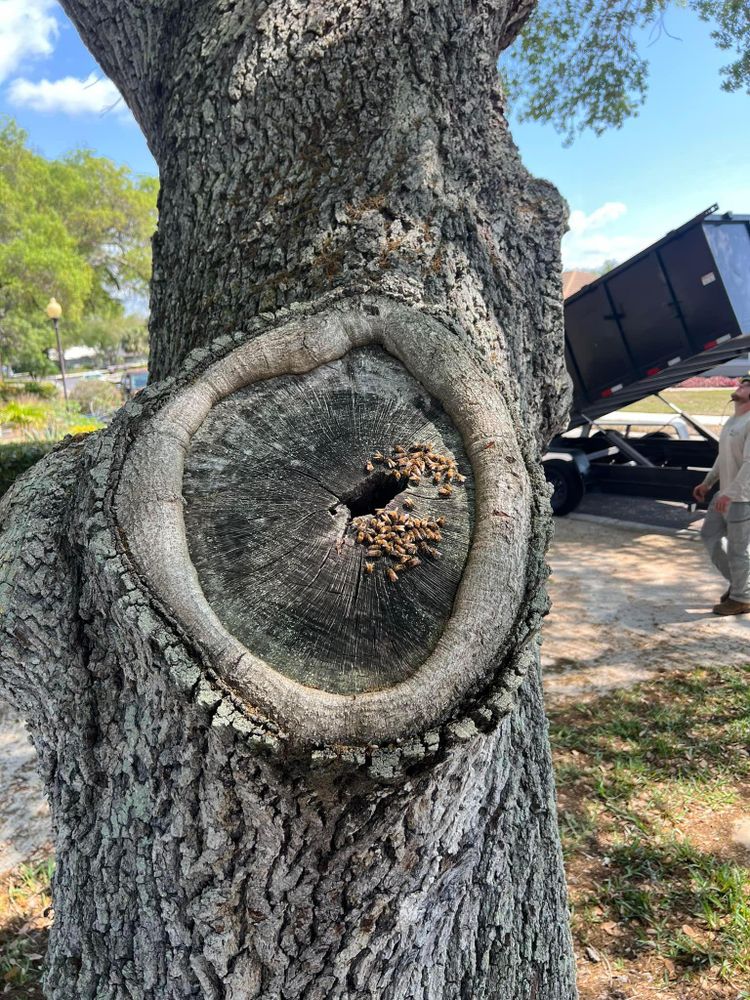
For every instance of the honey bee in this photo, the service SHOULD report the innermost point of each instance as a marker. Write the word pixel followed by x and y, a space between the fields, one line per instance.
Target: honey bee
pixel 374 553
pixel 392 575
pixel 409 504
pixel 414 562
pixel 369 467
pixel 369 567
pixel 445 491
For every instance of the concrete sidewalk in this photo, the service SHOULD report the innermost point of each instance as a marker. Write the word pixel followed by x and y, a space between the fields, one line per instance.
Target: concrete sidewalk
pixel 629 603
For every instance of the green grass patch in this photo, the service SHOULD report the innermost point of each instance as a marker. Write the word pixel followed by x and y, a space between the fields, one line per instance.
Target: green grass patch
pixel 25 902
pixel 642 774
pixel 712 402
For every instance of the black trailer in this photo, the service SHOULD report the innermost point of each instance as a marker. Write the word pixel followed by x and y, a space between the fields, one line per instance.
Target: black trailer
pixel 678 308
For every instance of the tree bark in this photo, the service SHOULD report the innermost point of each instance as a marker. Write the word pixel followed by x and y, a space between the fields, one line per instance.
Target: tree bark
pixel 284 760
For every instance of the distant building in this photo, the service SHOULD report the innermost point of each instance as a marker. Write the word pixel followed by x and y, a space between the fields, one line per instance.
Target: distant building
pixel 574 281
pixel 73 353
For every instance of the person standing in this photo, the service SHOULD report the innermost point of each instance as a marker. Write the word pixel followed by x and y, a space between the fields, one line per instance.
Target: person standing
pixel 726 528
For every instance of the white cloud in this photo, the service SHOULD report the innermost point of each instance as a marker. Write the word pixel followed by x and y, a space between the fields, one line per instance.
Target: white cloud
pixel 588 245
pixel 68 96
pixel 610 211
pixel 28 29
pixel 590 254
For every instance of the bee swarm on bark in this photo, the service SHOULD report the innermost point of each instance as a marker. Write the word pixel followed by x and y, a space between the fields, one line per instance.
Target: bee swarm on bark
pixel 396 538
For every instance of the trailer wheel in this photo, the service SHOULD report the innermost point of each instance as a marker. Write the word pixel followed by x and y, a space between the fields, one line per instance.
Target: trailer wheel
pixel 567 485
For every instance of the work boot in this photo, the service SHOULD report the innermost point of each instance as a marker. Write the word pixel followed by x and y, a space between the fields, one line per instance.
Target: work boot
pixel 730 607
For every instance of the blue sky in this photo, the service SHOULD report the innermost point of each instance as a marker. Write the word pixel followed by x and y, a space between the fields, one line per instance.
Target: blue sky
pixel 689 147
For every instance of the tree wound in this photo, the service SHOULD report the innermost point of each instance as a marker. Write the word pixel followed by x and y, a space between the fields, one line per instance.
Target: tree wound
pixel 279 482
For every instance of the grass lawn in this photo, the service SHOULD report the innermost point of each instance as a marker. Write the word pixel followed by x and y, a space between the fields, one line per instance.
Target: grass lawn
pixel 25 916
pixel 654 794
pixel 713 402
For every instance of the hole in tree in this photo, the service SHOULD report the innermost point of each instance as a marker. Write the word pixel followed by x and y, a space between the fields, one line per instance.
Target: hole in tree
pixel 374 492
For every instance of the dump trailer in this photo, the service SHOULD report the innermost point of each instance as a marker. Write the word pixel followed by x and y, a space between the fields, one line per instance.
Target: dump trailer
pixel 679 308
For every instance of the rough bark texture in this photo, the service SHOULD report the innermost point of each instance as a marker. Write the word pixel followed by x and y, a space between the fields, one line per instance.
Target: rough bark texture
pixel 193 862
pixel 318 160
pixel 360 144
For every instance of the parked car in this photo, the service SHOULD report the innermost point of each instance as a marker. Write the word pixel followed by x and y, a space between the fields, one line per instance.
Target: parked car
pixel 133 381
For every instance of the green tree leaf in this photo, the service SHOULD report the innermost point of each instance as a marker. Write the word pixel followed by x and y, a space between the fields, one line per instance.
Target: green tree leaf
pixel 578 65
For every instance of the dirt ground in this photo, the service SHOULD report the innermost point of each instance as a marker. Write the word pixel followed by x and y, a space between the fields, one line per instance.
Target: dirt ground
pixel 627 604
pixel 25 830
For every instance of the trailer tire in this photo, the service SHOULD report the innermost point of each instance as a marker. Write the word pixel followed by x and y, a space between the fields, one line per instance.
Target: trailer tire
pixel 567 485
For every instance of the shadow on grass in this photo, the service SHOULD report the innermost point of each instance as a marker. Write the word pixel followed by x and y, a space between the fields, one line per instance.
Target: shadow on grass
pixel 678 901
pixel 629 767
pixel 688 727
pixel 24 928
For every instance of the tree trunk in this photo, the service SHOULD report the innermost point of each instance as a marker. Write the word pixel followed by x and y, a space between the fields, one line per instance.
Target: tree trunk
pixel 275 630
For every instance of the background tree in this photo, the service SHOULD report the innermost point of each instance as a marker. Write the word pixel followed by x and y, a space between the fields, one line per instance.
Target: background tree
pixel 609 264
pixel 78 228
pixel 580 65
pixel 290 752
pixel 113 336
pixel 24 345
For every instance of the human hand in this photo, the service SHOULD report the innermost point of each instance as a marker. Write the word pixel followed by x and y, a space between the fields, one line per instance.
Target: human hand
pixel 721 503
pixel 700 493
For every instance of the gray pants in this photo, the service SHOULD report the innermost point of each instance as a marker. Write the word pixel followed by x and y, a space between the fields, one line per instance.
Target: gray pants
pixel 727 539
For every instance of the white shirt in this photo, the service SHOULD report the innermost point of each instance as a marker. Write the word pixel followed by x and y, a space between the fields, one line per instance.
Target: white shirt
pixel 732 467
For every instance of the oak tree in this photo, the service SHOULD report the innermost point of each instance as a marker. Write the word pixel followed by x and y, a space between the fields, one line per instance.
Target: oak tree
pixel 275 631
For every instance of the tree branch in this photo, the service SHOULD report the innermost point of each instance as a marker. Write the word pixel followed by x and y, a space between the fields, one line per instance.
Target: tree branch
pixel 38 641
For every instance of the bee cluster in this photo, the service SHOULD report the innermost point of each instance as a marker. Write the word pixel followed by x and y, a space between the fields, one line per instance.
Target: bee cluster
pixel 399 539
pixel 416 462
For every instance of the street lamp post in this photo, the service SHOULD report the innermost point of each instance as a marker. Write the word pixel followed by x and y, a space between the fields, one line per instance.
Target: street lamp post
pixel 54 312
